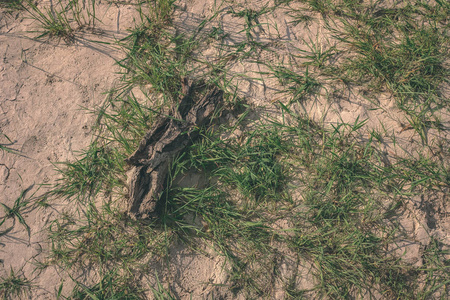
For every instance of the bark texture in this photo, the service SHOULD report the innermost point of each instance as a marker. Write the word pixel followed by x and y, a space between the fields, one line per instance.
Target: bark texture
pixel 161 144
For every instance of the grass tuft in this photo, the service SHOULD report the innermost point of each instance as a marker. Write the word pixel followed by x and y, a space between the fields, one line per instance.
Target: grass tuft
pixel 14 286
pixel 15 212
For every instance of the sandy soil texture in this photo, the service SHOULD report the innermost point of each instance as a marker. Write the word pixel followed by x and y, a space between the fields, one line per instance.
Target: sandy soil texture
pixel 49 88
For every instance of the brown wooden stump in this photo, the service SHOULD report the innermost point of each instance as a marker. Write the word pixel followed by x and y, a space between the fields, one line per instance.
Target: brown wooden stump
pixel 161 144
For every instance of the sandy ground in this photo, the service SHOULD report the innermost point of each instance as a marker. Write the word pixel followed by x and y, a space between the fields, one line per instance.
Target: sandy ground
pixel 45 87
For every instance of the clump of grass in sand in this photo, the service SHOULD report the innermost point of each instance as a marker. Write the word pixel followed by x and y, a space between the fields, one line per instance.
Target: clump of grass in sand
pixel 400 49
pixel 110 286
pixel 94 171
pixel 14 286
pixel 15 212
pixel 11 5
pixel 410 65
pixel 53 23
pixel 63 18
pixel 300 86
pixel 154 56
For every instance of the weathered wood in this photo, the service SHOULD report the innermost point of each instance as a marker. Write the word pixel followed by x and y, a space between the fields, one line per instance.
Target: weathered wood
pixel 161 144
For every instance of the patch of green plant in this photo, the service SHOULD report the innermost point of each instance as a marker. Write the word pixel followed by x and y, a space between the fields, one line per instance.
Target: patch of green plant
pixel 160 292
pixel 95 170
pixel 53 24
pixel 250 165
pixel 316 56
pixel 153 55
pixel 232 229
pixel 251 19
pixel 14 286
pixel 110 286
pixel 123 120
pixel 298 85
pixel 16 211
pixel 11 5
pixel 402 51
pixel 62 19
pixel 97 233
pixel 121 123
pixel 342 227
pixel 411 66
pixel 437 268
pixel 299 16
pixel 149 61
pixel 103 237
pixel 322 6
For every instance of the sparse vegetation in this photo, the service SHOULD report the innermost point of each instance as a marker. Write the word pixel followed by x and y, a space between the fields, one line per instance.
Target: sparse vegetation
pixel 14 286
pixel 62 19
pixel 332 185
pixel 11 5
pixel 15 212
pixel 5 147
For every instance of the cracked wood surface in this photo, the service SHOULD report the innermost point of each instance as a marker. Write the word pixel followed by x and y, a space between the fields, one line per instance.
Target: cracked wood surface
pixel 161 144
